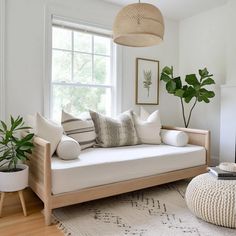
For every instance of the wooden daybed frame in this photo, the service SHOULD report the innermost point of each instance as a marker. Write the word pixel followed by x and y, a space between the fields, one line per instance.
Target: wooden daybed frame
pixel 40 176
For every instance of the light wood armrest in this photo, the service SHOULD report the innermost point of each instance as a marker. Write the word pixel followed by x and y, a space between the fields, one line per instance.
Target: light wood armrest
pixel 40 168
pixel 196 137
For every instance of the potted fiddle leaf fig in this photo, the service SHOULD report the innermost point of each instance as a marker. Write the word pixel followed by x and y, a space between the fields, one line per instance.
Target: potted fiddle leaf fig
pixel 193 89
pixel 14 149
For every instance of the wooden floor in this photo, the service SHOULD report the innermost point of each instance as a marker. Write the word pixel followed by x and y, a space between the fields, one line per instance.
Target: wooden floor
pixel 13 222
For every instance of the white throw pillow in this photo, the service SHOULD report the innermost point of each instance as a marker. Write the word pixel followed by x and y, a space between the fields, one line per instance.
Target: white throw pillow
pixel 148 130
pixel 31 122
pixel 68 148
pixel 174 137
pixel 49 131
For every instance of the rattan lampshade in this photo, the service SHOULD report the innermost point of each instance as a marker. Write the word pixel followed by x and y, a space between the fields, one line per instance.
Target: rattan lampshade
pixel 138 25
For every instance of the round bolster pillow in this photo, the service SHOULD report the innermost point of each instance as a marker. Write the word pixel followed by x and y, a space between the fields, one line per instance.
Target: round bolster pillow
pixel 174 137
pixel 68 148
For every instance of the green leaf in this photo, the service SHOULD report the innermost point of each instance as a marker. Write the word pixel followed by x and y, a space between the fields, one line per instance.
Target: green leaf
pixel 205 99
pixel 188 98
pixel 12 120
pixel 192 80
pixel 165 77
pixel 4 125
pixel 210 94
pixel 190 92
pixel 179 93
pixel 207 81
pixel 171 86
pixel 178 82
pixel 27 137
pixel 167 70
pixel 204 72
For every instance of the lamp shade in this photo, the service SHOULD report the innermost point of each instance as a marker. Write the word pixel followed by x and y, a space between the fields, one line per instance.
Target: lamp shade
pixel 138 25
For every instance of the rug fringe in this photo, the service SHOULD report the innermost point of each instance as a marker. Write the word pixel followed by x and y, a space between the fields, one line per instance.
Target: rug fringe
pixel 61 226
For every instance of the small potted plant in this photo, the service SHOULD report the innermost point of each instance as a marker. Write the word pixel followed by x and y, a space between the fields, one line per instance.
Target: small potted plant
pixel 14 149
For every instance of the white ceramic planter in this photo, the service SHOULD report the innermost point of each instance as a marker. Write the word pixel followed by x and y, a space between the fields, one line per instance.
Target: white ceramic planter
pixel 14 181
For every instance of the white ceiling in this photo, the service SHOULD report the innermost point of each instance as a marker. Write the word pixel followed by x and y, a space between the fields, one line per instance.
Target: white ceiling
pixel 177 9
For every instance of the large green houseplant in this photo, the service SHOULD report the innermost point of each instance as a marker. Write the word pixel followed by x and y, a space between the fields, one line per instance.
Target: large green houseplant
pixel 193 89
pixel 14 149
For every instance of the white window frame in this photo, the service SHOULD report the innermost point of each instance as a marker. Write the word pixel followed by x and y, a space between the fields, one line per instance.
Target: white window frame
pixel 116 65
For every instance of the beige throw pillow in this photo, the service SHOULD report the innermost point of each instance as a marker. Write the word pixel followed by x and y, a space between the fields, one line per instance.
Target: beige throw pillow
pixel 148 130
pixel 114 132
pixel 49 131
pixel 80 129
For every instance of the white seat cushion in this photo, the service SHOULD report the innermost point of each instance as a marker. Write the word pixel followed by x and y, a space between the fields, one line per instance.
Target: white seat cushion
pixel 98 166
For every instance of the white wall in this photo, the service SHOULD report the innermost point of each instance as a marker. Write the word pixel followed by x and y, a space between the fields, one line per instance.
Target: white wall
pixel 167 53
pixel 231 42
pixel 25 45
pixel 2 60
pixel 25 52
pixel 202 44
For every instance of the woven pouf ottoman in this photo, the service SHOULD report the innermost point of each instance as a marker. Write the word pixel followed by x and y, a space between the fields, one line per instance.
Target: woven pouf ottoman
pixel 213 200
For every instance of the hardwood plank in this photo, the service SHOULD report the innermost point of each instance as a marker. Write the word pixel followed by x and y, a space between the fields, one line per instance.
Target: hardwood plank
pixel 14 223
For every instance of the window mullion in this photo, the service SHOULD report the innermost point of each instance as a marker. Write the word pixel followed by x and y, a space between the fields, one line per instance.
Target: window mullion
pixel 72 56
pixel 82 85
pixel 93 58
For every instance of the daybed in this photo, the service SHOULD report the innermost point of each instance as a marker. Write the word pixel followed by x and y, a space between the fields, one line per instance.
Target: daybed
pixel 103 172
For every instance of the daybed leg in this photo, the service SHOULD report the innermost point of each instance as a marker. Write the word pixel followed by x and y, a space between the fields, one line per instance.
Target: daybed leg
pixel 47 215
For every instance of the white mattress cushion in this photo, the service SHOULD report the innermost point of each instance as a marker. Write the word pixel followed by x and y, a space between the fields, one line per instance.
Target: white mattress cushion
pixel 98 166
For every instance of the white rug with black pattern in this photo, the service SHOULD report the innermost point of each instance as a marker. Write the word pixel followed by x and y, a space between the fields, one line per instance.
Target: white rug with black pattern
pixel 157 211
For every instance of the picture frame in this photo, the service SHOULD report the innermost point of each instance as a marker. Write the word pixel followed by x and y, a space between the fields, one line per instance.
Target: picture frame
pixel 147 81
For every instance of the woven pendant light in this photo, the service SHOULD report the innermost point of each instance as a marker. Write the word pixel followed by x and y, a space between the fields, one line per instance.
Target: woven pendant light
pixel 138 25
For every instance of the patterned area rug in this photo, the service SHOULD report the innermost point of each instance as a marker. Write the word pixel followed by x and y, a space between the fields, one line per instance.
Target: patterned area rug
pixel 157 211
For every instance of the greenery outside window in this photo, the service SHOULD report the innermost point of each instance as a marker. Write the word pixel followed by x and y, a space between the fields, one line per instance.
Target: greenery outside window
pixel 81 72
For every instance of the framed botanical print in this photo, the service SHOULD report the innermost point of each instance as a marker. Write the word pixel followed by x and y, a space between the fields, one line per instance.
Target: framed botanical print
pixel 147 81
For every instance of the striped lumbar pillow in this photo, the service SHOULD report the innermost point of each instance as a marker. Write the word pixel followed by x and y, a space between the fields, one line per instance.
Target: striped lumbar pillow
pixel 114 132
pixel 82 130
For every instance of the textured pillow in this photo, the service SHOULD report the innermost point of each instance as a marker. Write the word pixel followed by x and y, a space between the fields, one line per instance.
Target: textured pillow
pixel 82 130
pixel 174 137
pixel 68 148
pixel 114 132
pixel 49 131
pixel 148 130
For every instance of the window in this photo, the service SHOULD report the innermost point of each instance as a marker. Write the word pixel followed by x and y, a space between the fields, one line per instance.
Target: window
pixel 81 72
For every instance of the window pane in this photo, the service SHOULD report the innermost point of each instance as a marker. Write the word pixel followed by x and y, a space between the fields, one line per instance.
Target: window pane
pixel 82 68
pixel 61 38
pixel 77 100
pixel 102 45
pixel 61 66
pixel 82 42
pixel 102 69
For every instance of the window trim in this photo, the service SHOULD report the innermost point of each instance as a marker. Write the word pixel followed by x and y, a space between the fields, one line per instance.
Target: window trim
pixel 116 65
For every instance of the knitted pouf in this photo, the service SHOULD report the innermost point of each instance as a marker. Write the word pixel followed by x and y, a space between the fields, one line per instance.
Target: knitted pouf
pixel 213 200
